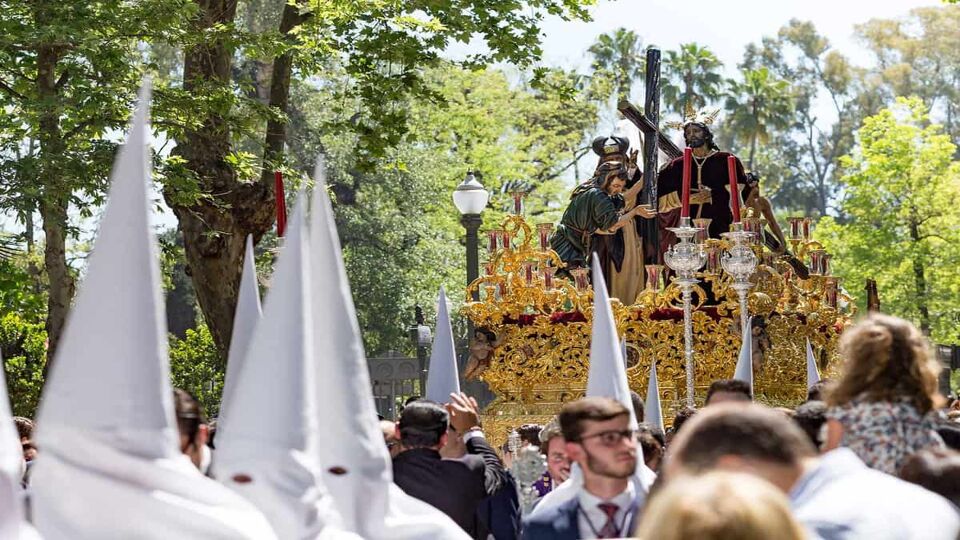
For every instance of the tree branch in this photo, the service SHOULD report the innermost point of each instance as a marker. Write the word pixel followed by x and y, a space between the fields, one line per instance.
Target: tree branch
pixel 10 91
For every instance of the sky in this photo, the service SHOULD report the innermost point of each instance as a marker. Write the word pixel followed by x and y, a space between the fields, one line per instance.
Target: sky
pixel 726 27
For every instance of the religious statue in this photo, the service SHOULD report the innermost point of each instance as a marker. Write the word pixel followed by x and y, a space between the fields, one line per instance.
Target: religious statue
pixel 709 193
pixel 481 351
pixel 597 211
pixel 759 206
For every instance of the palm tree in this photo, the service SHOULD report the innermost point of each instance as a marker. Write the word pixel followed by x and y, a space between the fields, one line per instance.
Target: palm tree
pixel 692 78
pixel 619 55
pixel 757 105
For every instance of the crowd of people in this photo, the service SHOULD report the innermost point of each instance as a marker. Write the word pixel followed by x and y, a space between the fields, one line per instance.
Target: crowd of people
pixel 873 454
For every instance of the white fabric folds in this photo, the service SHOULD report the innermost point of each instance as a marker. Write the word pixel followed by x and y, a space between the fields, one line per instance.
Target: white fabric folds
pixel 110 464
pixel 357 468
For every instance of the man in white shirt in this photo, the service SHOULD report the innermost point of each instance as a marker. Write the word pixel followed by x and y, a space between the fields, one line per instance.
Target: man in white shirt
pixel 599 438
pixel 834 495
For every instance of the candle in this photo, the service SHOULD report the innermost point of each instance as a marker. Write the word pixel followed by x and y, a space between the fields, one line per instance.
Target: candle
pixel 544 230
pixel 734 190
pixel 548 277
pixel 831 286
pixel 806 228
pixel 653 276
pixel 528 273
pixel 505 239
pixel 704 225
pixel 518 202
pixel 796 225
pixel 713 259
pixel 493 235
pixel 687 164
pixel 580 278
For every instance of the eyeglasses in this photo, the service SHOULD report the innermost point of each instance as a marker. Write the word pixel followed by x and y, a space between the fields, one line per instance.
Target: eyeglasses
pixel 612 437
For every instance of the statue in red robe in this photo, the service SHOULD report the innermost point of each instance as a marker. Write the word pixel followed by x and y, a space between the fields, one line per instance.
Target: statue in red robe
pixel 709 186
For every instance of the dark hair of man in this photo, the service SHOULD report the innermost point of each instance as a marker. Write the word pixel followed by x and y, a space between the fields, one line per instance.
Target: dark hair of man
pixel 422 424
pixel 936 469
pixel 637 405
pixel 816 392
pixel 749 431
pixel 732 386
pixel 189 414
pixel 550 431
pixel 810 417
pixel 24 427
pixel 573 415
pixel 530 433
pixel 650 439
pixel 707 134
pixel 681 417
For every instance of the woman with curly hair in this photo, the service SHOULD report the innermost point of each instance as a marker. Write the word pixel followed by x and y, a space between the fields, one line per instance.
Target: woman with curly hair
pixel 883 408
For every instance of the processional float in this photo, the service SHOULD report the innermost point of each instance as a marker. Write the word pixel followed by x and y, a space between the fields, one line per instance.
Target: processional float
pixel 539 356
pixel 542 322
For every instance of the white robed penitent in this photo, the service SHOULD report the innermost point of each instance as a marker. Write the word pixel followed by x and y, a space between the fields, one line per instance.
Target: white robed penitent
pixel 744 369
pixel 357 468
pixel 443 377
pixel 267 439
pixel 13 523
pixel 607 377
pixel 245 320
pixel 110 464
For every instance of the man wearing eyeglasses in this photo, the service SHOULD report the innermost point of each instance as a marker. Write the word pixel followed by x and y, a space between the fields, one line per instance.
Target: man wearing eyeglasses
pixel 600 439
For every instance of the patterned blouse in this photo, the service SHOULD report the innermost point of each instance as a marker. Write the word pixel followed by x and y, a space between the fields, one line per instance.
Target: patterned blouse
pixel 885 433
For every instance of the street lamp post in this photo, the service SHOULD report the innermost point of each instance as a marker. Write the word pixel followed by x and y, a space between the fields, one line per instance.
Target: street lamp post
pixel 420 336
pixel 471 198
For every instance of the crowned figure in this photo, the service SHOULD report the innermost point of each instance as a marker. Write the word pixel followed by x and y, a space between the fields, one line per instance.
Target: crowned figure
pixel 709 183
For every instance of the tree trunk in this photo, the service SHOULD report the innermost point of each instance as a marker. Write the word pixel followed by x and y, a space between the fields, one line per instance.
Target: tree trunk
pixel 920 279
pixel 280 94
pixel 753 151
pixel 215 229
pixel 55 196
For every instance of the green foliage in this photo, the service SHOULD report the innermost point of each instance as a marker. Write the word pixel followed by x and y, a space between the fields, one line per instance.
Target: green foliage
pixel 758 106
pixel 691 78
pixel 22 347
pixel 800 162
pixel 20 290
pixel 399 229
pixel 195 366
pixel 619 56
pixel 919 55
pixel 900 191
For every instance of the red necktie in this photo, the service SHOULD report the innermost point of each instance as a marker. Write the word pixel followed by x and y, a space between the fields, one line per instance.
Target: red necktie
pixel 610 529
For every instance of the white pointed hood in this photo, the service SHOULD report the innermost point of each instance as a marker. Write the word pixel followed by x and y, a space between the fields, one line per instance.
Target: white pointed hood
pixel 652 411
pixel 443 378
pixel 110 465
pixel 744 369
pixel 267 440
pixel 813 374
pixel 13 523
pixel 245 320
pixel 607 377
pixel 357 468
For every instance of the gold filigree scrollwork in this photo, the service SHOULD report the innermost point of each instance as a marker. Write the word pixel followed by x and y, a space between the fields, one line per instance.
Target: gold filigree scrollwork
pixel 542 326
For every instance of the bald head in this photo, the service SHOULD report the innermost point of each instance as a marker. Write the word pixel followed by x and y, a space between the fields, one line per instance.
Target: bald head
pixel 746 437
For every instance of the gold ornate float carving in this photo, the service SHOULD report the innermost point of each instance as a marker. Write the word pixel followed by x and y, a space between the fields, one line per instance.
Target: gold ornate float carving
pixel 542 323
